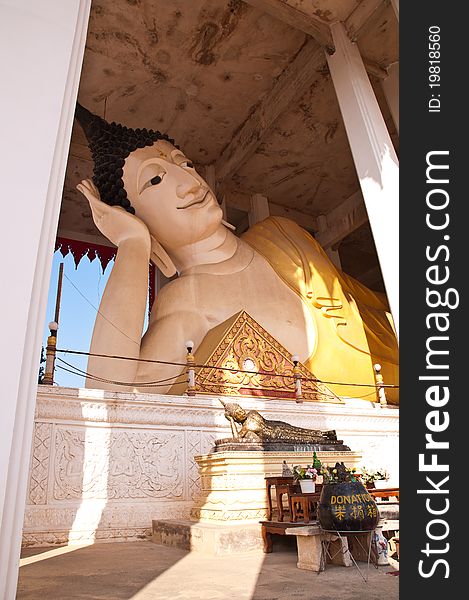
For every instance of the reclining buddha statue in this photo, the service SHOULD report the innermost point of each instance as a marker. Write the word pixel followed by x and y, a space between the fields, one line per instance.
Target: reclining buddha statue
pixel 150 202
pixel 251 425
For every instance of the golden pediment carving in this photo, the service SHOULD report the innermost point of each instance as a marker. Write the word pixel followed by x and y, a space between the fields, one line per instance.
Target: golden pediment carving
pixel 242 344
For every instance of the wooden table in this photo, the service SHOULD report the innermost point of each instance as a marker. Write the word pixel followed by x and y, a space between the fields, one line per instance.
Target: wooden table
pixel 384 492
pixel 283 485
pixel 304 506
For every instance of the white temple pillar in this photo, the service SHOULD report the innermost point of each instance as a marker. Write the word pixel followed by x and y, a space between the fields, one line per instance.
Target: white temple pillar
pixel 41 45
pixel 322 231
pixel 334 257
pixel 390 87
pixel 374 156
pixel 259 209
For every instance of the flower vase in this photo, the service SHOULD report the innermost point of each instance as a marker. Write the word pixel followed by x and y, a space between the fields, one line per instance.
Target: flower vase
pixel 381 484
pixel 307 486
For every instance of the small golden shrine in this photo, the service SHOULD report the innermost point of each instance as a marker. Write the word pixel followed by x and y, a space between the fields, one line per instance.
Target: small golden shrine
pixel 241 358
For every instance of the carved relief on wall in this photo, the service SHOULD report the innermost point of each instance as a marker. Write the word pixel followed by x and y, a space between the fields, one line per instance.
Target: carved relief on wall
pixel 40 464
pixel 104 463
pixel 197 442
pixel 247 346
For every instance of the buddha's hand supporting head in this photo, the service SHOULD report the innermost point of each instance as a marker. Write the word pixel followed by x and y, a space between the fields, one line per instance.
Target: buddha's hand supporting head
pixel 114 222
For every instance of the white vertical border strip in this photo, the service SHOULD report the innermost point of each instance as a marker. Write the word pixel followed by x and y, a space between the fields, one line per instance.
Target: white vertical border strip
pixel 18 469
pixel 374 156
pixel 390 87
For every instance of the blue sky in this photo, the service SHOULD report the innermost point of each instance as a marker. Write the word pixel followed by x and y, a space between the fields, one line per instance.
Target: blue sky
pixel 77 316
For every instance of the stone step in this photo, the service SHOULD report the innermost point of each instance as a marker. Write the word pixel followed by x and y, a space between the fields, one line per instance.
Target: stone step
pixel 209 538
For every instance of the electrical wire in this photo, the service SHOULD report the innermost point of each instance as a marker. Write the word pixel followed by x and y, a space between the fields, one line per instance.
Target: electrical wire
pixel 159 382
pixel 230 369
pixel 79 373
pixel 122 383
pixel 197 366
pixel 99 312
pixel 167 379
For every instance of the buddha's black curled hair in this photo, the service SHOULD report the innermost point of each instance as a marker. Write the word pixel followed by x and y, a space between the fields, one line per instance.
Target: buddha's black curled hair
pixel 110 145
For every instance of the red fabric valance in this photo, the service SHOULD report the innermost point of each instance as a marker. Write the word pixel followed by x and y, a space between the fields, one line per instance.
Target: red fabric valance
pixel 104 254
pixel 80 249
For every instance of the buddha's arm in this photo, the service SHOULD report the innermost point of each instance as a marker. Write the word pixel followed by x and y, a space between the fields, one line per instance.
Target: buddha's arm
pixel 234 429
pixel 119 323
pixel 165 341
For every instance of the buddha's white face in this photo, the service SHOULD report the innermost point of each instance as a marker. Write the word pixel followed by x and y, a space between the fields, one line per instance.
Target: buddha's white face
pixel 169 196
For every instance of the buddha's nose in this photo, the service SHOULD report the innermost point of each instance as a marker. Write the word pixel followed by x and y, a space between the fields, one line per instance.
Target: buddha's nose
pixel 183 189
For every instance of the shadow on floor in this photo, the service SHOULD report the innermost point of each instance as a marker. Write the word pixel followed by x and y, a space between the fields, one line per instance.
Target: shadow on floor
pixel 146 571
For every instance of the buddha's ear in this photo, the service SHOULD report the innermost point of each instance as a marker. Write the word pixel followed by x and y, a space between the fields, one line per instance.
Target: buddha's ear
pixel 161 259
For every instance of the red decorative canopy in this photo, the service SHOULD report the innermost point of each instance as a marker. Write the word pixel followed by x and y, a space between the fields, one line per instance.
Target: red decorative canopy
pixel 80 249
pixel 104 254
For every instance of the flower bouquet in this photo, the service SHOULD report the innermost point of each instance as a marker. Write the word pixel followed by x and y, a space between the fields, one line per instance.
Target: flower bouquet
pixel 306 476
pixel 375 478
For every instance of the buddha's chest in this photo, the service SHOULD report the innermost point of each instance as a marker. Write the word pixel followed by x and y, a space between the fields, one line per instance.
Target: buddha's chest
pixel 262 293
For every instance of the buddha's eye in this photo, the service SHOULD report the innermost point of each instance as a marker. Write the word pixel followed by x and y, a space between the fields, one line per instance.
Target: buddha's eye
pixel 186 163
pixel 155 180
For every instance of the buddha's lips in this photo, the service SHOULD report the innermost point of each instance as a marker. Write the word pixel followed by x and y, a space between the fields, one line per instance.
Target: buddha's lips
pixel 195 201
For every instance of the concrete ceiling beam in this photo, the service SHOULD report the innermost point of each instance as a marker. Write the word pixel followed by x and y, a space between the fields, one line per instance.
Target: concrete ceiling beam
pixel 295 80
pixel 374 69
pixel 292 83
pixel 364 17
pixel 344 219
pixel 243 202
pixel 302 18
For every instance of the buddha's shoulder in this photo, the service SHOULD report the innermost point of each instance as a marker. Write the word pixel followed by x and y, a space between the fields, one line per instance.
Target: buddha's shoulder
pixel 174 288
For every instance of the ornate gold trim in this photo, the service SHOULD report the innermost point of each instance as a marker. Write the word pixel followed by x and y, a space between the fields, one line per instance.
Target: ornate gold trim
pixel 246 339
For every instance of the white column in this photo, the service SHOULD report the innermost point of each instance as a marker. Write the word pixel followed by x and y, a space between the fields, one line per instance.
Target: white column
pixel 374 156
pixel 334 257
pixel 390 87
pixel 259 209
pixel 41 45
pixel 322 234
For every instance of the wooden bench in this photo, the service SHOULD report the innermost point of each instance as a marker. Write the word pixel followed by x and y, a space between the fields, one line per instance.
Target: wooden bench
pixel 269 528
pixel 312 556
pixel 310 545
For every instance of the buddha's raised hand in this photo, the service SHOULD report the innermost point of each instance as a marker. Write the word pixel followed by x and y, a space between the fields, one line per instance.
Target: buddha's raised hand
pixel 114 222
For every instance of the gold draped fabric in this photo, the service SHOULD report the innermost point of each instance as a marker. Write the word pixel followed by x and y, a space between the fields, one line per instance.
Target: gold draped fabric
pixel 354 328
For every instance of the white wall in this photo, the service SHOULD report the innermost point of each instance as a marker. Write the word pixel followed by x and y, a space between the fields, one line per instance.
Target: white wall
pixel 105 463
pixel 41 45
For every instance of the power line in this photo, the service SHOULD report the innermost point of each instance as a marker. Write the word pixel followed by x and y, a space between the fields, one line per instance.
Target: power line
pixel 199 366
pixel 87 374
pixel 99 312
pixel 78 372
pixel 163 362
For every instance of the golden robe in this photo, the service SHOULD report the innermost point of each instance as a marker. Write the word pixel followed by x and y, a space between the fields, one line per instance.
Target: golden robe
pixel 354 328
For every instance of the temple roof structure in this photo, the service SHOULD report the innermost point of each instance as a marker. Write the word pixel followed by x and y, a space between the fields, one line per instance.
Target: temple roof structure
pixel 245 90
